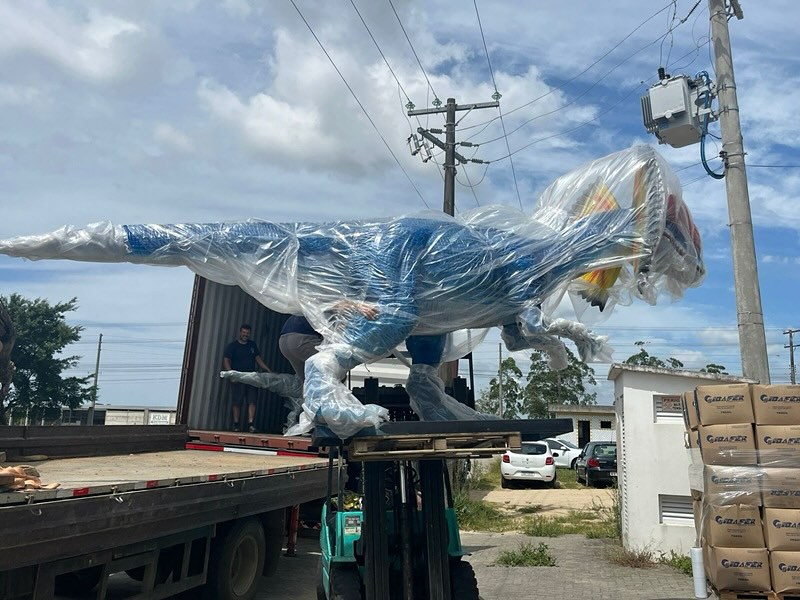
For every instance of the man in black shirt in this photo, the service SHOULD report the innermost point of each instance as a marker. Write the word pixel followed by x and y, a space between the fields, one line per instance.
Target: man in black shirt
pixel 242 355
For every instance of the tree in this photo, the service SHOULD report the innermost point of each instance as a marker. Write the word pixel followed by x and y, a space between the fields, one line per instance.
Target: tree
pixel 42 333
pixel 645 359
pixel 714 368
pixel 512 386
pixel 567 386
pixel 530 397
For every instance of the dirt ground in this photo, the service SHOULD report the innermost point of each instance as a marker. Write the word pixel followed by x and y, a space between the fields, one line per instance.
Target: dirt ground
pixel 552 502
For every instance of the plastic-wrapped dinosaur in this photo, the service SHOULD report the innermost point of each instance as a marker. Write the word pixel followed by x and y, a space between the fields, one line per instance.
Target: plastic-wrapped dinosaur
pixel 611 230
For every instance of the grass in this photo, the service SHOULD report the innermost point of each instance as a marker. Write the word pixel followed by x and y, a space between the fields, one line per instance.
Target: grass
pixel 478 515
pixel 635 559
pixel 681 562
pixel 566 477
pixel 529 509
pixel 486 477
pixel 600 522
pixel 527 556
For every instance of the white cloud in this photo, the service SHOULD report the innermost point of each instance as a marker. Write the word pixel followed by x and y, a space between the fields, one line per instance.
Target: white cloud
pixel 170 137
pixel 88 46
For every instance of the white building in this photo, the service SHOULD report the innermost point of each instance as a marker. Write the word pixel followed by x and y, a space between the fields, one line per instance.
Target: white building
pixel 652 459
pixel 589 423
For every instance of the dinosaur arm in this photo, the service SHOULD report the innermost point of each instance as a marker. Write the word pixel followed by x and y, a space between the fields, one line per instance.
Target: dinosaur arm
pixel 532 330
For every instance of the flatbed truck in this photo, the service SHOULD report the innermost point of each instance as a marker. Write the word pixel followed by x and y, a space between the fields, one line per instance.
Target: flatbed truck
pixel 133 499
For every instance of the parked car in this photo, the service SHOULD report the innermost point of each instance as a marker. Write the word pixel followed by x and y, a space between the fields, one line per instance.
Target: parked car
pixel 564 452
pixel 597 463
pixel 533 462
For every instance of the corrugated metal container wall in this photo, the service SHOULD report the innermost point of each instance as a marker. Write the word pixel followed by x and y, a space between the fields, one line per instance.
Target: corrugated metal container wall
pixel 222 310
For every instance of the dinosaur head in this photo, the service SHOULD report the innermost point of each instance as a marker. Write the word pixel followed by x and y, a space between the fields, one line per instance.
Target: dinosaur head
pixel 657 245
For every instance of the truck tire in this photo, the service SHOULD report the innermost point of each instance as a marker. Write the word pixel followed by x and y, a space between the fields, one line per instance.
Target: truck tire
pixel 463 585
pixel 504 483
pixel 274 523
pixel 78 582
pixel 236 562
pixel 345 584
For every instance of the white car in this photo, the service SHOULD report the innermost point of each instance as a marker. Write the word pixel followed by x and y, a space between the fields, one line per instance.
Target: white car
pixel 532 462
pixel 565 453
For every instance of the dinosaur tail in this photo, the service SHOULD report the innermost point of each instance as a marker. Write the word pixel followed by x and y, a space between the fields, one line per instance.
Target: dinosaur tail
pixel 258 256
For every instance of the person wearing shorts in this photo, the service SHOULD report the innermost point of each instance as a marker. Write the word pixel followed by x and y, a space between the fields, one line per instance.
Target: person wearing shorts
pixel 242 354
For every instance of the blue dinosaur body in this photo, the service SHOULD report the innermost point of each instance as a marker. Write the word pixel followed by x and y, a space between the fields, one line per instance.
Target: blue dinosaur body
pixel 617 226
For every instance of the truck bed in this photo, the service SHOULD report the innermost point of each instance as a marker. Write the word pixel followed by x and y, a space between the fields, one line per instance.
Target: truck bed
pixel 94 475
pixel 106 502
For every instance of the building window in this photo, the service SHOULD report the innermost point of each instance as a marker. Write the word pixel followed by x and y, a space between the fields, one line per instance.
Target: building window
pixel 675 510
pixel 605 424
pixel 667 409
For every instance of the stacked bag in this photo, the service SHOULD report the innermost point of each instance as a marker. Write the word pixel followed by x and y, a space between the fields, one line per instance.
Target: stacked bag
pixel 745 474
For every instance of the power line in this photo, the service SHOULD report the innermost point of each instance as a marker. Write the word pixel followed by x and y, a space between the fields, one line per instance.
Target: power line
pixel 364 110
pixel 555 89
pixel 496 96
pixel 579 126
pixel 436 101
pixel 409 103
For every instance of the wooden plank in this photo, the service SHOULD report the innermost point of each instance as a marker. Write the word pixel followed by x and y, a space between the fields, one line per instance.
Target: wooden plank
pixel 743 595
pixel 404 446
pixel 259 440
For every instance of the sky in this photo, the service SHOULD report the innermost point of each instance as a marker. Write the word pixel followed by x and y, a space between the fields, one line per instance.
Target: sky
pixel 139 111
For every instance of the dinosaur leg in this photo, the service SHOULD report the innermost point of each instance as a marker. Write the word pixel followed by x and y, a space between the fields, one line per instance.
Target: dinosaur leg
pixel 426 389
pixel 326 400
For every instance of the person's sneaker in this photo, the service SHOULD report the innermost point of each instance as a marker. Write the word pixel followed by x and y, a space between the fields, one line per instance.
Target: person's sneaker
pixel 236 427
pixel 252 429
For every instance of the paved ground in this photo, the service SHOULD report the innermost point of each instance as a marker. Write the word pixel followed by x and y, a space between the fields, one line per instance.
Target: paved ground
pixel 582 573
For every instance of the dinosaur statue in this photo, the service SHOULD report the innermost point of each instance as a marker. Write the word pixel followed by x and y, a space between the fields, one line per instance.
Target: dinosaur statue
pixel 610 231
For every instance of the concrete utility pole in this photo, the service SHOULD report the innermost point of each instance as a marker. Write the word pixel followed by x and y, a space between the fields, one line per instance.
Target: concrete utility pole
pixel 449 145
pixel 792 370
pixel 90 417
pixel 500 377
pixel 750 317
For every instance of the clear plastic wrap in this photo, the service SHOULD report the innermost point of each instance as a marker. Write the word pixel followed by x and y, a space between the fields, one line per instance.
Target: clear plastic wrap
pixel 283 384
pixel 614 229
pixel 744 450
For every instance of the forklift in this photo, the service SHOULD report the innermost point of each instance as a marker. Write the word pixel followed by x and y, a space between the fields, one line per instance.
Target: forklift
pixel 398 538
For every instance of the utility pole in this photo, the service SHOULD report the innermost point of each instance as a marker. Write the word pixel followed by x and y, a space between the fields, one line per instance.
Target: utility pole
pixel 500 378
pixel 792 370
pixel 750 317
pixel 90 418
pixel 449 145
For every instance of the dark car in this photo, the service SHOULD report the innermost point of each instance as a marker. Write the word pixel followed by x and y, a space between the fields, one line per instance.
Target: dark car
pixel 597 463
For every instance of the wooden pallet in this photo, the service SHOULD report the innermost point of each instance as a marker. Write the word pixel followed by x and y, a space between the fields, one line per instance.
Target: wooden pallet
pixel 754 595
pixel 430 446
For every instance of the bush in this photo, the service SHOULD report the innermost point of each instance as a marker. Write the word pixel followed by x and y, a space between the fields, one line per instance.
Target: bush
pixel 681 562
pixel 527 556
pixel 636 559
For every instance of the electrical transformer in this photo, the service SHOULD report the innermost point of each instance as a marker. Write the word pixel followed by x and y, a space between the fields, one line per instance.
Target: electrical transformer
pixel 677 109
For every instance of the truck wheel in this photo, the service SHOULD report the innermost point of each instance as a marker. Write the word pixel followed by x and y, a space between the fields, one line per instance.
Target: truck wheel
pixel 345 584
pixel 463 585
pixel 78 582
pixel 572 464
pixel 236 562
pixel 504 483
